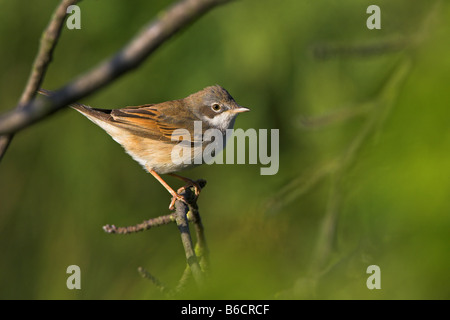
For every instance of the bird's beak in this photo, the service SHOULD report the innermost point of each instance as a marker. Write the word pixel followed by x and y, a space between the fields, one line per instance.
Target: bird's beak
pixel 239 110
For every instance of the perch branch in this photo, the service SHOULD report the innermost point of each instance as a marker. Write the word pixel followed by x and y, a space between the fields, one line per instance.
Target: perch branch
pixel 201 247
pixel 181 212
pixel 185 212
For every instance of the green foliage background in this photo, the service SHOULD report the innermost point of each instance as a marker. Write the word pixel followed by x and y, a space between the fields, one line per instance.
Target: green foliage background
pixel 364 154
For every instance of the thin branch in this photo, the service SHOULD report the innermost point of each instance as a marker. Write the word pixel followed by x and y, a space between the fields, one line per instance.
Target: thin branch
pixel 48 43
pixel 181 211
pixel 131 56
pixel 186 211
pixel 183 280
pixel 161 286
pixel 151 223
pixel 169 292
pixel 201 248
pixel 49 39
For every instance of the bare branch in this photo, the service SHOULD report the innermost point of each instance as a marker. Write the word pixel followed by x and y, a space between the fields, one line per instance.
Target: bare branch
pixel 131 56
pixel 186 211
pixel 151 223
pixel 48 43
pixel 201 248
pixel 49 39
pixel 181 212
pixel 169 292
pixel 161 286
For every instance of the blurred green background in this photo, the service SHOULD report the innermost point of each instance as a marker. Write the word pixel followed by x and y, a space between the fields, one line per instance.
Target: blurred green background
pixel 364 154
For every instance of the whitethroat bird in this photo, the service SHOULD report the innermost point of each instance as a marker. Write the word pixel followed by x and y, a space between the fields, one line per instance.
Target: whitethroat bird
pixel 145 132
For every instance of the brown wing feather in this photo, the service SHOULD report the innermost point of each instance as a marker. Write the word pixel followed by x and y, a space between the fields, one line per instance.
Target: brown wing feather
pixel 156 120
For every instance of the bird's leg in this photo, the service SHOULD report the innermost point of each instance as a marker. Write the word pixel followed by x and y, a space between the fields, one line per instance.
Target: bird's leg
pixel 175 195
pixel 197 187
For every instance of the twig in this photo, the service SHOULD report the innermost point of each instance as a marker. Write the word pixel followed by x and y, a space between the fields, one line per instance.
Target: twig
pixel 49 39
pixel 151 223
pixel 161 286
pixel 48 43
pixel 131 56
pixel 185 212
pixel 170 292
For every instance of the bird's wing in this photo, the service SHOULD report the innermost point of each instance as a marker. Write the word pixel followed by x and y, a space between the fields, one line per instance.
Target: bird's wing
pixel 166 121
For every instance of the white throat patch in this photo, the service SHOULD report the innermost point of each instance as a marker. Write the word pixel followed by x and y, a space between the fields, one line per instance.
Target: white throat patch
pixel 222 121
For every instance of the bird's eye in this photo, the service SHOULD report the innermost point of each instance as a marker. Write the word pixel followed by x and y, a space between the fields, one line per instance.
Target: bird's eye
pixel 216 107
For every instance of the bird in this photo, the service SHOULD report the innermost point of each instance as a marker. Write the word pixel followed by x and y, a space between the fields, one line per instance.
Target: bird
pixel 149 132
